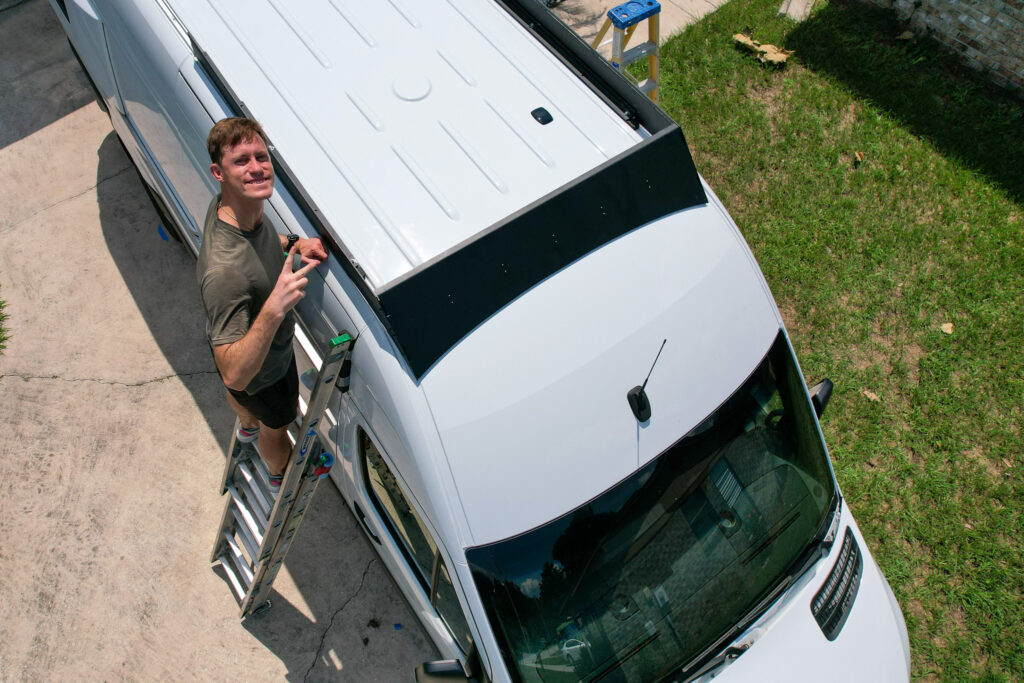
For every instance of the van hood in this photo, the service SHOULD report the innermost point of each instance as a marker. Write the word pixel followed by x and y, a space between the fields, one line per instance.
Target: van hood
pixel 531 406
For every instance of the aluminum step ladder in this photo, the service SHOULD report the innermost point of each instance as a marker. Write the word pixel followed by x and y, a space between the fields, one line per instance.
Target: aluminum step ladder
pixel 624 19
pixel 260 521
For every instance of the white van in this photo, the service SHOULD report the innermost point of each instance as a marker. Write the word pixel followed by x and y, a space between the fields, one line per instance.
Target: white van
pixel 576 431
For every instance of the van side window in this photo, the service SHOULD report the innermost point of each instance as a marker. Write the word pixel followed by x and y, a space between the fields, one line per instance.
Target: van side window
pixel 403 521
pixel 447 604
pixel 415 542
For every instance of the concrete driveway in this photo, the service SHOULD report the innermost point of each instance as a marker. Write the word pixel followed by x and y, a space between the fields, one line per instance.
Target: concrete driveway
pixel 115 430
pixel 115 426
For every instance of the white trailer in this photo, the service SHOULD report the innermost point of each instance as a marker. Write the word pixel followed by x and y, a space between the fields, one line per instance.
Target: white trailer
pixel 516 234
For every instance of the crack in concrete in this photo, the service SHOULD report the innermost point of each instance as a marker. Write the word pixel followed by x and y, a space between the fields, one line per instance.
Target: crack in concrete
pixel 26 377
pixel 10 226
pixel 323 636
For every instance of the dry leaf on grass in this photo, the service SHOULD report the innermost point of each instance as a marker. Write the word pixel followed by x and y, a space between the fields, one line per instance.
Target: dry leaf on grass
pixel 871 396
pixel 858 158
pixel 766 53
pixel 947 328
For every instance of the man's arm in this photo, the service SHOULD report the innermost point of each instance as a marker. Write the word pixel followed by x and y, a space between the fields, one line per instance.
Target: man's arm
pixel 240 360
pixel 310 247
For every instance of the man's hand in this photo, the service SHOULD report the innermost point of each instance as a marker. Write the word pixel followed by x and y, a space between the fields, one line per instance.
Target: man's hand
pixel 312 248
pixel 239 361
pixel 290 285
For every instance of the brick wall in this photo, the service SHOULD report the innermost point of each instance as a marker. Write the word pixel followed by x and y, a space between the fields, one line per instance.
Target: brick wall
pixel 987 34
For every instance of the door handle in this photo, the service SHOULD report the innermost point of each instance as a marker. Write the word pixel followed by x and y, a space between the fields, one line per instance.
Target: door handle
pixel 362 520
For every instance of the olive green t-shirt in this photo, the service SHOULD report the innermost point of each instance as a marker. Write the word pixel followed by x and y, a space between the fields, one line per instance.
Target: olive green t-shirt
pixel 237 270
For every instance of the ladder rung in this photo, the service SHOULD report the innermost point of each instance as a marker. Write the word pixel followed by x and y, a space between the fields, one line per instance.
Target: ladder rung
pixel 250 489
pixel 639 52
pixel 307 346
pixel 232 578
pixel 647 85
pixel 260 470
pixel 241 570
pixel 251 546
pixel 247 518
pixel 236 553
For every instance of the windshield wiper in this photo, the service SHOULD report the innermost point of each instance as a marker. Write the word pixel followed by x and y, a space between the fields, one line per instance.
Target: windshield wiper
pixel 730 653
pixel 721 660
pixel 821 543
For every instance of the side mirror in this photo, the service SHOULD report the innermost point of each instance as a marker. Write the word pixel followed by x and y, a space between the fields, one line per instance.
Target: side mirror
pixel 820 394
pixel 441 672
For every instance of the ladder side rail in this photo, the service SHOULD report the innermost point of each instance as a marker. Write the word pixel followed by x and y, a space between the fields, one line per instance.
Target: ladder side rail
pixel 618 47
pixel 276 558
pixel 234 453
pixel 596 42
pixel 227 525
pixel 654 59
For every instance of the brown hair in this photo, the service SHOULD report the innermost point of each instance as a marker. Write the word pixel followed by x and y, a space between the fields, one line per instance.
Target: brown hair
pixel 230 132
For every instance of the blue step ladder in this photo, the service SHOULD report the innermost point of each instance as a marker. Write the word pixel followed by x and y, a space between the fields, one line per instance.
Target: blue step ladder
pixel 624 19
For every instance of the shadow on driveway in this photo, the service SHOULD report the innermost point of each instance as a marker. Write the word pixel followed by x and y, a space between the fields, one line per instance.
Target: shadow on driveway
pixel 919 83
pixel 159 274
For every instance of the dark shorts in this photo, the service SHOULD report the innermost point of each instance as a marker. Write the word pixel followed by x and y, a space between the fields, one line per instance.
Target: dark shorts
pixel 277 405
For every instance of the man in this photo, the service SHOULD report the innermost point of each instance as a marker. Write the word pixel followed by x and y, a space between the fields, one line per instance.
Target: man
pixel 249 288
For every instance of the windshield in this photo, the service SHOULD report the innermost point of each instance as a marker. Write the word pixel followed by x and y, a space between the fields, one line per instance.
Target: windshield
pixel 647 576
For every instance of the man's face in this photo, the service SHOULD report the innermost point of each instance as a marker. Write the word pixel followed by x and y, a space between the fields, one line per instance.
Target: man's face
pixel 245 171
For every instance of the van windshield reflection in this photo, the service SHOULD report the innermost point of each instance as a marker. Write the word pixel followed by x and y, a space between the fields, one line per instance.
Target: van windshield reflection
pixel 647 576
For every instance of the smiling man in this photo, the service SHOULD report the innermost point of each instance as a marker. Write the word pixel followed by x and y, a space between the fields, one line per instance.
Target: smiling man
pixel 249 288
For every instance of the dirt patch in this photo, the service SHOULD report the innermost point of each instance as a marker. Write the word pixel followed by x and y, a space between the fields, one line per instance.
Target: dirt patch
pixel 958 619
pixel 912 355
pixel 788 312
pixel 993 468
pixel 914 457
pixel 848 117
pixel 774 100
pixel 873 357
pixel 768 96
pixel 740 203
pixel 916 610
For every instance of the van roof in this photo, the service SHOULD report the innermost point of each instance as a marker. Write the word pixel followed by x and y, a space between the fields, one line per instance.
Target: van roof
pixel 417 128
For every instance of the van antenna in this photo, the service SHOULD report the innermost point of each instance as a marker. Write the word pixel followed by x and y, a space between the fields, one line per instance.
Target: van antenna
pixel 637 397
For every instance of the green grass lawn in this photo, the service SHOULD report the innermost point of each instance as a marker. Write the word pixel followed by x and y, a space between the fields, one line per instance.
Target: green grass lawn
pixel 869 261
